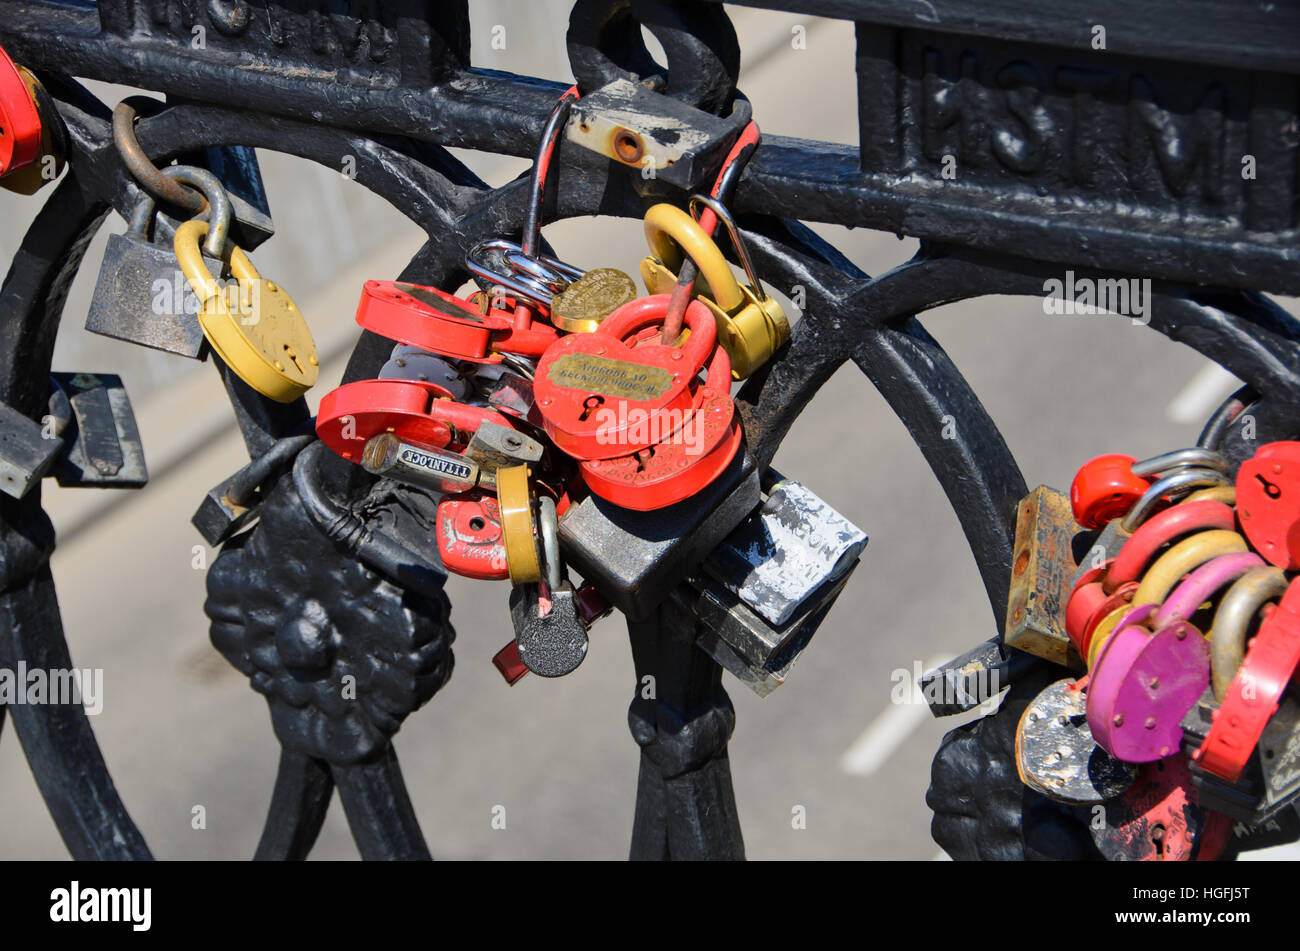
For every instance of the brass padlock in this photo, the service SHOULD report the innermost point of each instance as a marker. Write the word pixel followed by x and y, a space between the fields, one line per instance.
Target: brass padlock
pixel 263 338
pixel 751 325
pixel 581 306
pixel 519 524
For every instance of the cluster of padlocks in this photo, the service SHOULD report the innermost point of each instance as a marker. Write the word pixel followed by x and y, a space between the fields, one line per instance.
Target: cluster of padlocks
pixel 561 421
pixel 1183 619
pixel 551 384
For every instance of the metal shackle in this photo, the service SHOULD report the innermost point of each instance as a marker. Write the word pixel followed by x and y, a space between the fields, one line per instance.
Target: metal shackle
pixel 218 214
pixel 1239 605
pixel 1179 482
pixel 501 263
pixel 1168 462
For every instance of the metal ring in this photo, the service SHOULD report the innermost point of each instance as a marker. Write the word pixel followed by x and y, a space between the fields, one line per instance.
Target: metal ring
pixel 1168 462
pixel 489 262
pixel 548 528
pixel 1179 482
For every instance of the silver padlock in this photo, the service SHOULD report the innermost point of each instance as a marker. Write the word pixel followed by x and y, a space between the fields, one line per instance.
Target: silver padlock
pixel 141 295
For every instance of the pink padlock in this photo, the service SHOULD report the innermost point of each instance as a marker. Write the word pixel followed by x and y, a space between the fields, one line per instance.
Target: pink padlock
pixel 1143 684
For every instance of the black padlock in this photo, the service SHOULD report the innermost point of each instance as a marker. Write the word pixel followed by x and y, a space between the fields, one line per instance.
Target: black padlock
pixel 551 644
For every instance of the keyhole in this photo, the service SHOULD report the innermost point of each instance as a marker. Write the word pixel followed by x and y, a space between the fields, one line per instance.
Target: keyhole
pixel 1272 490
pixel 477 523
pixel 294 357
pixel 643 458
pixel 1158 839
pixel 590 403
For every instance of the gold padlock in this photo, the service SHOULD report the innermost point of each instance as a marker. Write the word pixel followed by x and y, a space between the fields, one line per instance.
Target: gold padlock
pixel 581 306
pixel 751 325
pixel 264 339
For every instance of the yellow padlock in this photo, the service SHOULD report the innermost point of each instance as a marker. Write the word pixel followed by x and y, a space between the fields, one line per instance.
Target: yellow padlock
pixel 751 325
pixel 265 339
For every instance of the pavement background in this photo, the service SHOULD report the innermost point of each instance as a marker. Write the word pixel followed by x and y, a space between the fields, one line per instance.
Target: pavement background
pixel 180 728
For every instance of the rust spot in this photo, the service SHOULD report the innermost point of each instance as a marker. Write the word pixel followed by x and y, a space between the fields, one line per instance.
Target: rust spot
pixel 1022 562
pixel 628 146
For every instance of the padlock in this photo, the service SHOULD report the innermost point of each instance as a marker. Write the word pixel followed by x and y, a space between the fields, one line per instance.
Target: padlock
pixel 751 325
pixel 441 323
pixel 494 447
pixel 1255 692
pixel 581 306
pixel 684 461
pixel 233 503
pixel 1056 754
pixel 427 467
pixel 1040 576
pixel 519 524
pixel 262 336
pixel 1141 687
pixel 1105 488
pixel 550 634
pixel 413 410
pixel 591 606
pixel 18 173
pixel 20 119
pixel 501 268
pixel 412 363
pixel 601 397
pixel 469 535
pixel 1268 503
pixel 1158 819
pixel 142 296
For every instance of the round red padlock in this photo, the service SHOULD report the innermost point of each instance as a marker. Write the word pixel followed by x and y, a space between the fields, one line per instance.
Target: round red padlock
pixel 596 392
pixel 20 120
pixel 470 539
pixel 430 319
pixel 685 461
pixel 1268 503
pixel 1105 488
pixel 413 410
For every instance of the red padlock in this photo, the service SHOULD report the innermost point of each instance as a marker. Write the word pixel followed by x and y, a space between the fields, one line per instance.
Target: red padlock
pixel 1157 818
pixel 596 391
pixel 442 323
pixel 414 410
pixel 1268 503
pixel 685 461
pixel 1105 488
pixel 470 539
pixel 1255 691
pixel 20 120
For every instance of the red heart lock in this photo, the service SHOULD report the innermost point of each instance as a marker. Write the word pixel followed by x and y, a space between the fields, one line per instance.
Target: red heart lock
pixel 469 534
pixel 1268 503
pixel 595 391
pixel 414 410
pixel 685 461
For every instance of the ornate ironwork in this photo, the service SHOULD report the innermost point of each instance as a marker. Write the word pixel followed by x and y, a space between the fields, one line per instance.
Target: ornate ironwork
pixel 1122 162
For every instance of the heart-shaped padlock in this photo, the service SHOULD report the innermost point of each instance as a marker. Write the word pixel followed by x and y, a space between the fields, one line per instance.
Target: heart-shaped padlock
pixel 470 537
pixel 1141 687
pixel 414 410
pixel 681 463
pixel 595 390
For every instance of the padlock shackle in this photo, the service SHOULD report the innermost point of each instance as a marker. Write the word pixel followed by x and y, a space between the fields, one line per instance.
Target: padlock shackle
pixel 195 269
pixel 1200 585
pixel 1186 556
pixel 742 252
pixel 1179 482
pixel 1238 607
pixel 649 312
pixel 673 234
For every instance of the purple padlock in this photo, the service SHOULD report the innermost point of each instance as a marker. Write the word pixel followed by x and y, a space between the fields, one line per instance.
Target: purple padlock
pixel 1197 587
pixel 1141 687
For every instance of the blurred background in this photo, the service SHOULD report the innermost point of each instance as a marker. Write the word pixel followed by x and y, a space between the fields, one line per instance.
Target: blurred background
pixel 181 728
